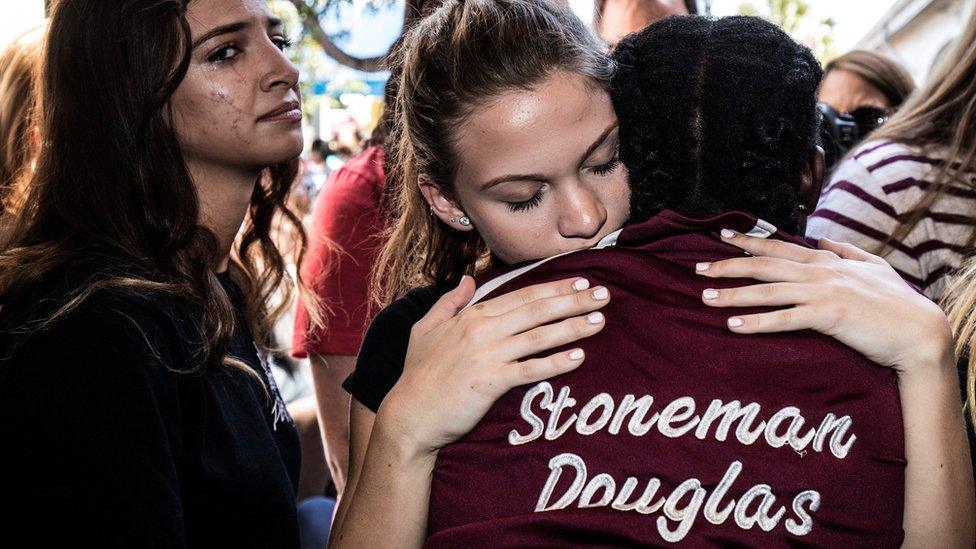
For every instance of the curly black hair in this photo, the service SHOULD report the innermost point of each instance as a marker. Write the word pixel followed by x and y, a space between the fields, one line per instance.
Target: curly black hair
pixel 716 115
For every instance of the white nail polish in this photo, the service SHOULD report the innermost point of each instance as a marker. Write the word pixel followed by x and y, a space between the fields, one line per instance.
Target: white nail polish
pixel 735 322
pixel 601 294
pixel 710 294
pixel 576 354
pixel 702 267
pixel 727 233
pixel 581 284
pixel 594 318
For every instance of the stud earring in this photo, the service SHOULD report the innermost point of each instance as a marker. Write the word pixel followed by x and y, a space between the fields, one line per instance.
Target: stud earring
pixel 464 221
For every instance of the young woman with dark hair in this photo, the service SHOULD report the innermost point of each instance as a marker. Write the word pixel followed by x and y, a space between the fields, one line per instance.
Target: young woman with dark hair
pixel 136 291
pixel 506 153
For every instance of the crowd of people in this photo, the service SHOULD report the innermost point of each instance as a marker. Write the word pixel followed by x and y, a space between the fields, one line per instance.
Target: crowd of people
pixel 664 281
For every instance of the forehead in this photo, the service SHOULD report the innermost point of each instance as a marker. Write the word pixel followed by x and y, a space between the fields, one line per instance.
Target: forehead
pixel 842 80
pixel 205 14
pixel 544 130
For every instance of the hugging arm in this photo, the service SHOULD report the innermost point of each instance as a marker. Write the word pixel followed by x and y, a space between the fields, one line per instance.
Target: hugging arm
pixel 458 363
pixel 857 298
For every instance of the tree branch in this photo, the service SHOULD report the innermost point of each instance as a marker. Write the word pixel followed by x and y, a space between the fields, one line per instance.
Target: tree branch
pixel 311 21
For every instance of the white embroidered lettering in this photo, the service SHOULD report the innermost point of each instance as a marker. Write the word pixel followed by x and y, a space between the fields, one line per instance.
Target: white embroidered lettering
pixel 545 390
pixel 556 465
pixel 677 411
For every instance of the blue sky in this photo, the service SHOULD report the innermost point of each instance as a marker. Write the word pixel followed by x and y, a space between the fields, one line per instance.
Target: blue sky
pixel 370 34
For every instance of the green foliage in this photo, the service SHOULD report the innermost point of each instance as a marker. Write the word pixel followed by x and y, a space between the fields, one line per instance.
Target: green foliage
pixel 795 17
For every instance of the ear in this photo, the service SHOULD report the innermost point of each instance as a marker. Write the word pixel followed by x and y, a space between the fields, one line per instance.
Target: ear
pixel 812 182
pixel 442 206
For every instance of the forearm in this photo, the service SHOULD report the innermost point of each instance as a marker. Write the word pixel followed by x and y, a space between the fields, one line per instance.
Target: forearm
pixel 393 489
pixel 939 497
pixel 328 372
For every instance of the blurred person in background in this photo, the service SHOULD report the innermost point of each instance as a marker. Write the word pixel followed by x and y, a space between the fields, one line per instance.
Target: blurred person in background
pixel 618 18
pixel 137 406
pixel 860 90
pixel 315 169
pixel 908 193
pixel 19 140
pixel 346 233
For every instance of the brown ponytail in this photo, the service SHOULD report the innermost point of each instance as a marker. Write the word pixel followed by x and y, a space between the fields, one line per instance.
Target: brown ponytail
pixel 459 57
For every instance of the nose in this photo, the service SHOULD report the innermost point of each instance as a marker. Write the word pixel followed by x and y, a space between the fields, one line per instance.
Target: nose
pixel 280 71
pixel 582 213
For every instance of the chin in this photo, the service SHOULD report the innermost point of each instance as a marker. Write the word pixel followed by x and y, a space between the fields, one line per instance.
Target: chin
pixel 279 155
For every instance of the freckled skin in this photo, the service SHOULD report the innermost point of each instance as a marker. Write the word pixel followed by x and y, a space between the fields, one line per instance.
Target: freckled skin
pixel 544 131
pixel 217 105
pixel 845 91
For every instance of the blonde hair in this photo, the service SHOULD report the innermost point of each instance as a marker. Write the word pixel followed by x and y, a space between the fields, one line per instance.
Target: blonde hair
pixel 19 66
pixel 941 116
pixel 960 304
pixel 458 57
pixel 945 112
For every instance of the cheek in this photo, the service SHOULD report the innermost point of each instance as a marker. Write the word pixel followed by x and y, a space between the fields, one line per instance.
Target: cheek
pixel 519 236
pixel 204 109
pixel 616 198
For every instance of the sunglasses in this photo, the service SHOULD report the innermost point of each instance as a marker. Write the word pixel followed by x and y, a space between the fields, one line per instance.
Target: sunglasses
pixel 868 118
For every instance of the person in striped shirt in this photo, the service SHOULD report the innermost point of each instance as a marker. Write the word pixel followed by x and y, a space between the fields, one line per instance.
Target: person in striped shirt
pixel 909 192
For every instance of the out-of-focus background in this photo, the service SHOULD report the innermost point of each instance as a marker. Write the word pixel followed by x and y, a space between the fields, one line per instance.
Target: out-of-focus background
pixel 340 44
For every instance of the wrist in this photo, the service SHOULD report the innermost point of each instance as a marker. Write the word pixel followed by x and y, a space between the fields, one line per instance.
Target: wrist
pixel 934 353
pixel 399 440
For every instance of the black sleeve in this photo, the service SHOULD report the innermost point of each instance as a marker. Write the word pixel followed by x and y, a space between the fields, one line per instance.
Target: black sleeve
pixel 89 435
pixel 384 349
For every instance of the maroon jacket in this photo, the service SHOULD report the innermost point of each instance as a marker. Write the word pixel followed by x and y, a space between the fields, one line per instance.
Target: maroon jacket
pixel 675 429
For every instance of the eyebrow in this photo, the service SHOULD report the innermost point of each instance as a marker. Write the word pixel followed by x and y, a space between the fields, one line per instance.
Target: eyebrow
pixel 232 27
pixel 538 177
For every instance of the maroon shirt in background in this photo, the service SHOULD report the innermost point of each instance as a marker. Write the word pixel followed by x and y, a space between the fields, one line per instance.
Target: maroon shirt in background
pixel 344 240
pixel 662 341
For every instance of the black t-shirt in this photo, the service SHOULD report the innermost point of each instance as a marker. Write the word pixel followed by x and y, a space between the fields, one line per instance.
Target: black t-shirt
pixel 384 348
pixel 103 443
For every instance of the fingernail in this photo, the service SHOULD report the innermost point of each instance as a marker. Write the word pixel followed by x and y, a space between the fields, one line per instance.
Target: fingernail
pixel 702 267
pixel 710 294
pixel 581 284
pixel 601 293
pixel 594 318
pixel 726 233
pixel 576 354
pixel 735 322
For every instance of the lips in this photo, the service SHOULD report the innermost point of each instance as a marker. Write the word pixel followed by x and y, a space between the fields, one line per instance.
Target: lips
pixel 287 111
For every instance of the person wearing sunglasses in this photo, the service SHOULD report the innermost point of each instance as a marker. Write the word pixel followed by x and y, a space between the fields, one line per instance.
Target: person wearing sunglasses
pixel 859 91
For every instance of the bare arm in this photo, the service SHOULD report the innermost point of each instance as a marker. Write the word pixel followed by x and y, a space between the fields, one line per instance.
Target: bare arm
pixel 391 480
pixel 361 421
pixel 328 373
pixel 861 301
pixel 939 507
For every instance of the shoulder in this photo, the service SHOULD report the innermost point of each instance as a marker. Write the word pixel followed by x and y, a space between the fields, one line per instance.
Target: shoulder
pixel 893 165
pixel 404 312
pixel 363 173
pixel 381 357
pixel 871 189
pixel 92 317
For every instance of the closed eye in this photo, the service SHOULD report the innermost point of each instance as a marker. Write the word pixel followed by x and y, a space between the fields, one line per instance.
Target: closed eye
pixel 526 204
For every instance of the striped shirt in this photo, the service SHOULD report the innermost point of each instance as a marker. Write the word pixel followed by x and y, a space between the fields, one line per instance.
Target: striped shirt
pixel 882 184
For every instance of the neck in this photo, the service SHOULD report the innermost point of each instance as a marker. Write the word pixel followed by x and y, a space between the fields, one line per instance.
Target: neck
pixel 224 193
